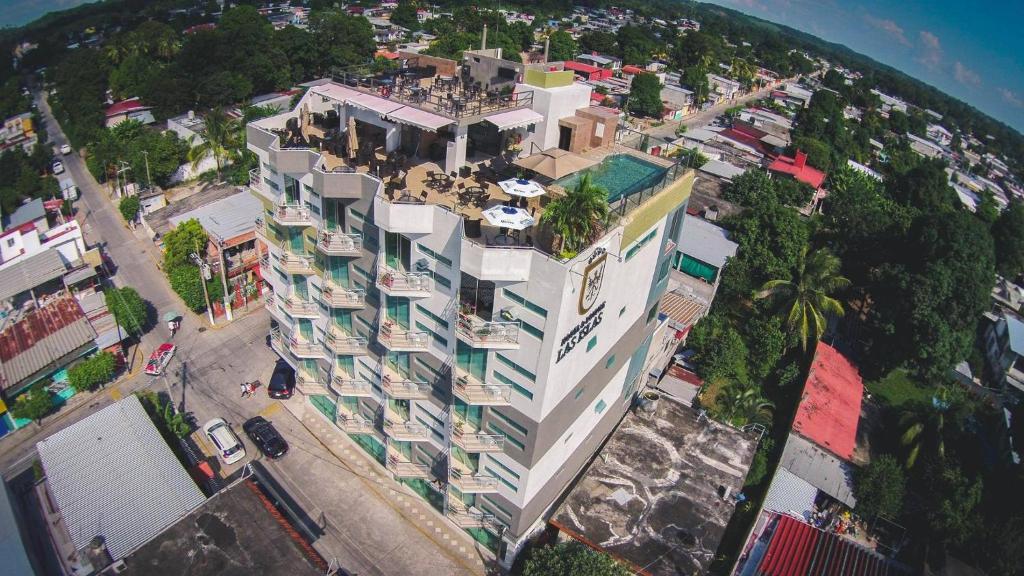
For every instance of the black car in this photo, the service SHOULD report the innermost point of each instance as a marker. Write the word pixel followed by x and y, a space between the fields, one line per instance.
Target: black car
pixel 266 437
pixel 282 382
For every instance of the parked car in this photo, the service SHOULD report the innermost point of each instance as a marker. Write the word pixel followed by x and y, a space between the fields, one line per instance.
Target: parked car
pixel 65 149
pixel 265 437
pixel 58 167
pixel 229 447
pixel 160 358
pixel 282 382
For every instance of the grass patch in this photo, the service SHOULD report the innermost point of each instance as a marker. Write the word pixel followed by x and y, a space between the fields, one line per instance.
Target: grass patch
pixel 899 388
pixel 708 396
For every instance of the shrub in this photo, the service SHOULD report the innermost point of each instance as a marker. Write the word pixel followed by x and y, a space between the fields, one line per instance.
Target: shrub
pixel 92 372
pixel 34 404
pixel 129 207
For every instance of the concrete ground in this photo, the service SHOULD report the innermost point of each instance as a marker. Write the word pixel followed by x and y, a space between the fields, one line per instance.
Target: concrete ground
pixel 372 524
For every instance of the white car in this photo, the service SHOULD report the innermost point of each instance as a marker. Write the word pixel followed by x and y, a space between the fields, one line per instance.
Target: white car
pixel 58 167
pixel 229 448
pixel 65 149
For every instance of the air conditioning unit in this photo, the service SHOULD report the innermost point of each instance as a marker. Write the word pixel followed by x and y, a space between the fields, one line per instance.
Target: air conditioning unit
pixel 422 265
pixel 117 567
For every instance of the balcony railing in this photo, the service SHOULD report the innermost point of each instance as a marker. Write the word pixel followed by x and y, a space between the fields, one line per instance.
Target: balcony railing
pixel 474 392
pixel 336 296
pixel 342 344
pixel 352 423
pixel 408 284
pixel 293 264
pixel 305 349
pixel 339 243
pixel 345 386
pixel 472 517
pixel 483 334
pixel 398 340
pixel 300 308
pixel 400 387
pixel 470 483
pixel 403 468
pixel 292 215
pixel 310 385
pixel 475 442
pixel 403 430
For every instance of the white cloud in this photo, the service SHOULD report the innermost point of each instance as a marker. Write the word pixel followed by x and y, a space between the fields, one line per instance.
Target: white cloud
pixel 1011 98
pixel 965 75
pixel 931 50
pixel 890 27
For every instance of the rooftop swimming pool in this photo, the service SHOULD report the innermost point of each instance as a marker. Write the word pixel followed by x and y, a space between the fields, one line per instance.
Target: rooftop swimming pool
pixel 619 174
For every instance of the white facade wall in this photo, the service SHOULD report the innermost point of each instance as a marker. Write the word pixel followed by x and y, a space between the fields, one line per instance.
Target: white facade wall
pixel 554 104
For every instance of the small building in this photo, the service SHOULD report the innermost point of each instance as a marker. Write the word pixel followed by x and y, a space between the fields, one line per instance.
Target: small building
pixel 924 147
pixel 702 250
pixel 659 494
pixel 721 169
pixel 18 131
pixel 111 485
pixel 1004 350
pixel 600 60
pixel 866 170
pixel 29 234
pixel 798 169
pixel 130 109
pixel 726 88
pixel 588 71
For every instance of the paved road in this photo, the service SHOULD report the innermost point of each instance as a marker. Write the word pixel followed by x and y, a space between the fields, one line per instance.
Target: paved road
pixel 364 533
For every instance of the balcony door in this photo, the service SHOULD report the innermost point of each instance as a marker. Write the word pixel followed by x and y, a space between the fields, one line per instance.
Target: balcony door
pixel 333 214
pixel 398 311
pixel 397 251
pixel 300 288
pixel 339 271
pixel 471 360
pixel 291 190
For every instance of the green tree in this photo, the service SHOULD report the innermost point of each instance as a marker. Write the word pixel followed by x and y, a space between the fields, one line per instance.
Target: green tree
pixel 572 559
pixel 128 308
pixel 219 139
pixel 721 352
pixel 128 207
pixel 181 241
pixel 187 283
pixel 345 40
pixel 645 96
pixel 92 372
pixel 561 46
pixel 880 487
pixel 303 53
pixel 951 503
pixel 740 404
pixel 752 188
pixel 34 404
pixel 598 41
pixel 1008 234
pixel 578 216
pixel 404 15
pixel 807 298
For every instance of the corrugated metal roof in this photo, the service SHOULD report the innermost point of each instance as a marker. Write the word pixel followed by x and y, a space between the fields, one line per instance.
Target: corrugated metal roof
pixel 1015 329
pixel 829 409
pixel 790 493
pixel 30 272
pixel 28 212
pixel 112 474
pixel 227 217
pixel 682 309
pixel 40 338
pixel 12 547
pixel 706 242
pixel 819 468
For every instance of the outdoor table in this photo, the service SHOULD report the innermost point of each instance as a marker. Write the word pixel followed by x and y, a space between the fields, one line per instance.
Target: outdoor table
pixel 504 240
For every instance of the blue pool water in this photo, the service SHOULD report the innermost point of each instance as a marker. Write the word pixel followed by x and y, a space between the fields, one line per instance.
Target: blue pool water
pixel 619 174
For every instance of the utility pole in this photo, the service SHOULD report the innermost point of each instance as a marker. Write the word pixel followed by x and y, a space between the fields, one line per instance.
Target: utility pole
pixel 149 180
pixel 224 279
pixel 203 267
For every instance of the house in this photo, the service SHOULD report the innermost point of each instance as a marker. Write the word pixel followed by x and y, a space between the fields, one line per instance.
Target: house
pixel 702 250
pixel 587 71
pixel 130 109
pixel 867 171
pixel 385 32
pixel 1004 350
pixel 28 233
pixel 799 169
pixel 939 134
pixel 890 103
pixel 600 60
pixel 924 147
pixel 676 97
pixel 725 88
pixel 18 131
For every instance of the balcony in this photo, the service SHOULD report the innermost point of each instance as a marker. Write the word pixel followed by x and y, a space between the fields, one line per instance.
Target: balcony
pixel 403 430
pixel 477 393
pixel 263 231
pixel 471 440
pixel 352 422
pixel 403 468
pixel 342 344
pixel 480 333
pixel 296 346
pixel 397 340
pixel 471 517
pixel 299 308
pixel 469 482
pixel 309 385
pixel 336 296
pixel 292 215
pixel 357 387
pixel 400 387
pixel 339 243
pixel 293 264
pixel 411 217
pixel 405 284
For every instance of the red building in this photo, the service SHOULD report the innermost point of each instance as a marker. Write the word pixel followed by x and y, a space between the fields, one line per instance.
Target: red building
pixel 588 72
pixel 798 169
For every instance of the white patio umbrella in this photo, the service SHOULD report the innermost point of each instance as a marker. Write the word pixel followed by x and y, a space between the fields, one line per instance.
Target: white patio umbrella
pixel 508 217
pixel 521 187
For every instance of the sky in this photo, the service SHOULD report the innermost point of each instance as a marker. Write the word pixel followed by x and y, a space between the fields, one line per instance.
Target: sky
pixel 18 12
pixel 971 50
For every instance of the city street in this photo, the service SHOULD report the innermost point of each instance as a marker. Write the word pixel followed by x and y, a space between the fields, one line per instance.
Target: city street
pixel 366 530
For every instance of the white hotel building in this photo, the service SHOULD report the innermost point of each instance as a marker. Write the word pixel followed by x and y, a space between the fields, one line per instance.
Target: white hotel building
pixel 483 376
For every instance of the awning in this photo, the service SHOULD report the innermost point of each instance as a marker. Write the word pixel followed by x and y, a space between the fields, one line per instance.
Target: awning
pixel 514 118
pixel 335 92
pixel 79 274
pixel 419 118
pixel 381 106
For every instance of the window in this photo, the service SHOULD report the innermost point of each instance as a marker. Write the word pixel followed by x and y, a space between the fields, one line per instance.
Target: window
pixel 309 190
pixel 501 479
pixel 357 214
pixel 650 314
pixel 497 507
pixel 509 382
pixel 579 391
pixel 437 434
pixel 441 340
pixel 663 271
pixel 440 321
pixel 508 438
pixel 515 425
pixel 566 441
pixel 610 361
pixel 10 242
pixel 640 244
pixel 441 279
pixel 434 255
pixel 423 363
pixel 601 405
pixel 525 303
pixel 313 208
pixel 591 343
pixel 516 367
pixel 510 471
pixel 622 311
pixel 359 270
pixel 532 331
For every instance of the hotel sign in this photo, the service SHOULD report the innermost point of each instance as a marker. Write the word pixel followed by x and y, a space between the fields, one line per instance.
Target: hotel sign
pixel 593 277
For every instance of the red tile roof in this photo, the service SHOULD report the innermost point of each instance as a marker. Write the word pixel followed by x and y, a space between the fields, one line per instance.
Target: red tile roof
pixel 580 67
pixel 631 69
pixel 798 169
pixel 125 106
pixel 830 407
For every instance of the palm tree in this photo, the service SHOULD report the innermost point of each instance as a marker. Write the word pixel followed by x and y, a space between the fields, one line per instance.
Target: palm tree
pixel 744 404
pixel 579 216
pixel 807 297
pixel 219 138
pixel 924 427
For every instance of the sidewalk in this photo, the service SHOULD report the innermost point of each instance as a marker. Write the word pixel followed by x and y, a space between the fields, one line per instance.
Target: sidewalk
pixel 469 556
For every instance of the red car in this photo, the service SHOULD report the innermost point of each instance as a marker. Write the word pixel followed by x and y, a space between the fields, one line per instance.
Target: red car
pixel 160 358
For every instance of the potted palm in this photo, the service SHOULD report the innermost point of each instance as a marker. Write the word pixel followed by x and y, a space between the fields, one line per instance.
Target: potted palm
pixel 577 218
